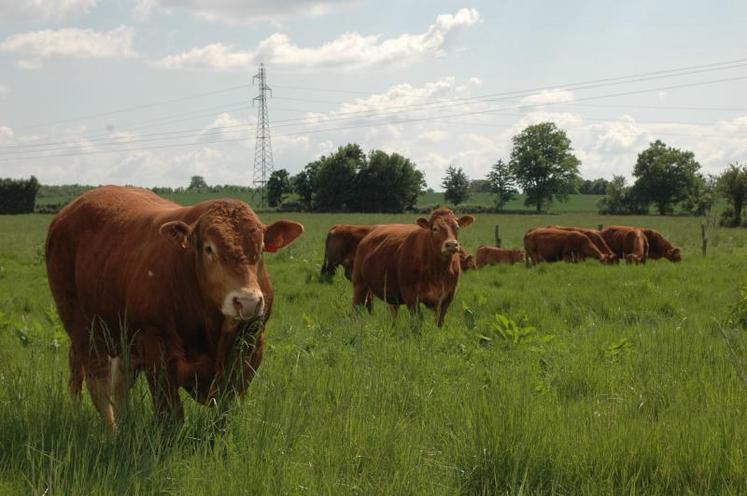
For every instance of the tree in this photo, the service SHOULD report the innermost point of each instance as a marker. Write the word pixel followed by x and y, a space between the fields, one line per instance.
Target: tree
pixel 303 184
pixel 197 182
pixel 387 183
pixel 701 196
pixel 502 183
pixel 335 178
pixel 480 186
pixel 277 186
pixel 665 175
pixel 18 196
pixel 543 164
pixel 621 199
pixel 593 186
pixel 732 184
pixel 455 185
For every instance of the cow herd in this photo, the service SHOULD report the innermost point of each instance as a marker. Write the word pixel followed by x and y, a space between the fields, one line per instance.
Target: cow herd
pixel 182 295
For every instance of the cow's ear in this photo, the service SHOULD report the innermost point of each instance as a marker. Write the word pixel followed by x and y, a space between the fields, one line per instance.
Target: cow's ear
pixel 423 222
pixel 280 234
pixel 176 231
pixel 465 220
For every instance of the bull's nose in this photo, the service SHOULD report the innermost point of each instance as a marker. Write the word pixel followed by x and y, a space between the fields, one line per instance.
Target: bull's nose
pixel 451 246
pixel 247 305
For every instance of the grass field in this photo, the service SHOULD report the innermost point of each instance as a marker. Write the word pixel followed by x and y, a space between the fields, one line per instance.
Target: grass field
pixel 560 379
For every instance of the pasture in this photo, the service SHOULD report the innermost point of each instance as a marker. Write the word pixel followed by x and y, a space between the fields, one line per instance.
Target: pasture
pixel 559 379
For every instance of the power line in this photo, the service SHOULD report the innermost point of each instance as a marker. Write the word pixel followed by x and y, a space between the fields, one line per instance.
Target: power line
pixel 402 121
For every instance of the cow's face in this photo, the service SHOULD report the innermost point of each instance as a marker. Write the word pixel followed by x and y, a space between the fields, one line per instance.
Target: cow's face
pixel 228 242
pixel 674 254
pixel 444 230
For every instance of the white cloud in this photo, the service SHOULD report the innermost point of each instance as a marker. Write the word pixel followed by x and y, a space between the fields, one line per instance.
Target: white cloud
pixel 4 91
pixel 29 64
pixel 72 42
pixel 44 9
pixel 545 97
pixel 244 11
pixel 348 51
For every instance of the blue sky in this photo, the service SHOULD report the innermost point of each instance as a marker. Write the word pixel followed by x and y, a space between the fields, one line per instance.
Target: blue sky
pixel 150 92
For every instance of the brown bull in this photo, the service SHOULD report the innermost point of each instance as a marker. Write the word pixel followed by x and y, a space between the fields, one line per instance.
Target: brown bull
pixel 490 255
pixel 411 264
pixel 596 238
pixel 627 242
pixel 551 245
pixel 340 246
pixel 660 247
pixel 181 294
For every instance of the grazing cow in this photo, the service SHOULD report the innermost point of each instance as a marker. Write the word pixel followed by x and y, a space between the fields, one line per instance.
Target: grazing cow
pixel 550 245
pixel 339 249
pixel 490 255
pixel 411 264
pixel 181 294
pixel 627 242
pixel 466 261
pixel 659 247
pixel 596 238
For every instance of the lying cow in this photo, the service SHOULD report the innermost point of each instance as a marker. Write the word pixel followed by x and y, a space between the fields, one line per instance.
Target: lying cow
pixel 340 246
pixel 490 255
pixel 627 242
pixel 660 247
pixel 181 294
pixel 411 264
pixel 551 245
pixel 596 238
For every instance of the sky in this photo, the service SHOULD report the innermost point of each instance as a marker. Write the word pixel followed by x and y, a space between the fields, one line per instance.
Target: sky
pixel 152 92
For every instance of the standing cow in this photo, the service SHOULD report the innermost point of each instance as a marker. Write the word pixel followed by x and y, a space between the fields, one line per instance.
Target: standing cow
pixel 340 246
pixel 143 284
pixel 550 245
pixel 627 242
pixel 411 264
pixel 596 238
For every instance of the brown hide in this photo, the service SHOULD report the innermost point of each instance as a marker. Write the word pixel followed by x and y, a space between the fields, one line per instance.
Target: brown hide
pixel 490 255
pixel 466 261
pixel 406 264
pixel 340 246
pixel 138 277
pixel 596 238
pixel 551 245
pixel 627 242
pixel 660 247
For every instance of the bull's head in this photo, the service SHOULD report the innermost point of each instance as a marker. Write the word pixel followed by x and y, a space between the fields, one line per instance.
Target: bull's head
pixel 228 241
pixel 444 227
pixel 673 254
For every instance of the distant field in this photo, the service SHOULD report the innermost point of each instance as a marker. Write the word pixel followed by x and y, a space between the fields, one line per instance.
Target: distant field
pixel 575 203
pixel 559 379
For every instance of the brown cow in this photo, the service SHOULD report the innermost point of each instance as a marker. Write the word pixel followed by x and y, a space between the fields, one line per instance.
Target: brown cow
pixel 659 247
pixel 596 238
pixel 550 245
pixel 143 284
pixel 339 249
pixel 627 242
pixel 411 264
pixel 490 255
pixel 466 261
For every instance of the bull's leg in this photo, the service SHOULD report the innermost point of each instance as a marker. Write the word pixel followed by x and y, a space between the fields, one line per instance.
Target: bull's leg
pixel 166 402
pixel 121 379
pixel 393 310
pixel 362 296
pixel 443 305
pixel 98 381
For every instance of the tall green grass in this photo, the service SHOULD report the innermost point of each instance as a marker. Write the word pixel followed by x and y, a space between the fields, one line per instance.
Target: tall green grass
pixel 559 379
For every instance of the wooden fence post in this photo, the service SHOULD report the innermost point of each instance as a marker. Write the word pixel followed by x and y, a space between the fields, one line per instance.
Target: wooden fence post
pixel 497 235
pixel 704 237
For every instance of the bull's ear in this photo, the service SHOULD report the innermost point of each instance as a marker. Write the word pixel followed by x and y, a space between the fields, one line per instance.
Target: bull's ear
pixel 465 220
pixel 176 231
pixel 423 222
pixel 280 234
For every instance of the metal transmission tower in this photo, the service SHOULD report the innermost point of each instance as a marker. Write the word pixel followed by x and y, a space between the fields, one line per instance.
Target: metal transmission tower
pixel 263 163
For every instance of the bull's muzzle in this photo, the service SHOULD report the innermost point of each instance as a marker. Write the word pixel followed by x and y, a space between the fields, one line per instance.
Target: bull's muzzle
pixel 244 305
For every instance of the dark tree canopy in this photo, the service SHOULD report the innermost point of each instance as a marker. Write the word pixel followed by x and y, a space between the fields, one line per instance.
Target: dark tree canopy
pixel 18 196
pixel 664 176
pixel 621 199
pixel 502 183
pixel 456 185
pixel 197 182
pixel 593 186
pixel 732 184
pixel 277 187
pixel 334 178
pixel 543 164
pixel 303 184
